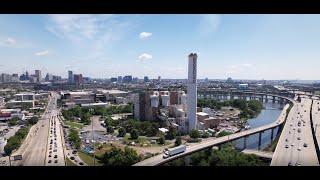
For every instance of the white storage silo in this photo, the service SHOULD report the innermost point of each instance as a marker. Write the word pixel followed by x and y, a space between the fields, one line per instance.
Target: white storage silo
pixel 165 99
pixel 155 99
pixel 184 99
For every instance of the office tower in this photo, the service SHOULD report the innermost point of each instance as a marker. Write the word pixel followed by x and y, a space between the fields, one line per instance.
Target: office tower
pixel 38 75
pixel 70 76
pixel 119 79
pixel 146 79
pixel 159 78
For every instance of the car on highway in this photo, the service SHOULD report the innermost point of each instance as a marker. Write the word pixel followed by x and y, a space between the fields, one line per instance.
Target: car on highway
pixel 49 155
pixel 49 161
pixel 299 148
pixel 55 156
pixel 55 150
pixel 287 140
pixel 299 130
pixel 292 144
pixel 72 158
pixel 291 124
pixel 290 164
pixel 74 152
pixel 287 146
pixel 298 163
pixel 299 138
pixel 56 161
pixel 305 145
pixel 294 128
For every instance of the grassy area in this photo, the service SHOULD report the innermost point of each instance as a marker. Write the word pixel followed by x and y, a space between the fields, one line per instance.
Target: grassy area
pixel 139 140
pixel 88 159
pixel 73 124
pixel 70 163
pixel 317 92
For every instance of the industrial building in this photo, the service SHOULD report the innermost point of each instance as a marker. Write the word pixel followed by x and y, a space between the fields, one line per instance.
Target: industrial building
pixel 243 86
pixel 98 95
pixel 22 98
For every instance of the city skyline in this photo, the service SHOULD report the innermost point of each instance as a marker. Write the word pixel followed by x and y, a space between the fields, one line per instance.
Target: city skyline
pixel 267 47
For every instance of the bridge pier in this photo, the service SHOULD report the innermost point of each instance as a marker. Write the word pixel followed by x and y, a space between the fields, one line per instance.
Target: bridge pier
pixel 245 142
pixel 187 160
pixel 271 135
pixel 259 146
pixel 273 99
pixel 250 97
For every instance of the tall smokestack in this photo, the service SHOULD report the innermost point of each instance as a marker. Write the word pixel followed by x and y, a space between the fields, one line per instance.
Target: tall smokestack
pixel 192 92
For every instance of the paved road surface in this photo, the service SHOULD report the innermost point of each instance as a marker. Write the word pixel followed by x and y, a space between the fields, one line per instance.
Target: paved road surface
pixel 307 155
pixel 34 149
pixel 96 125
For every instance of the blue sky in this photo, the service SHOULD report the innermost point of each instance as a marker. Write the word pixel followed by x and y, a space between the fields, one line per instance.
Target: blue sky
pixel 237 46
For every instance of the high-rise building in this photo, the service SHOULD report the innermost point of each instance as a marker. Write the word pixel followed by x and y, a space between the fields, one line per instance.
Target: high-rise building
pixel 77 78
pixel 27 75
pixel 229 80
pixel 206 80
pixel 159 78
pixel 38 75
pixel 5 78
pixel 15 78
pixel 33 78
pixel 192 92
pixel 49 77
pixel 119 79
pixel 114 79
pixel 146 79
pixel 70 76
pixel 127 79
pixel 23 77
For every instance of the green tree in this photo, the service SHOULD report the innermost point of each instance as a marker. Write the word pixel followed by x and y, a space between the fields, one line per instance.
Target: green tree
pixel 172 133
pixel 205 135
pixel 134 134
pixel 178 141
pixel 194 134
pixel 224 133
pixel 13 121
pixel 162 140
pixel 75 139
pixel 85 118
pixel 122 132
pixel 110 129
pixel 33 120
pixel 118 157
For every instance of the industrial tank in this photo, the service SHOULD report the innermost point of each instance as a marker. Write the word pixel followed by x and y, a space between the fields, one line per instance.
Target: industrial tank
pixel 184 99
pixel 155 99
pixel 165 99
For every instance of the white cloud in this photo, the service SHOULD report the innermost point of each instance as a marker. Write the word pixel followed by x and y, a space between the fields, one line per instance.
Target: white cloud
pixel 10 41
pixel 42 53
pixel 144 35
pixel 145 56
pixel 90 33
pixel 209 23
pixel 247 65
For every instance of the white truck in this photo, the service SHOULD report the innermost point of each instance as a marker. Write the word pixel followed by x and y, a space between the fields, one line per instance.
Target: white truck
pixel 174 151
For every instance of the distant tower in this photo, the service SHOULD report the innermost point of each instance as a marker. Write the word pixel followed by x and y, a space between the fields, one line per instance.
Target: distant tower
pixel 192 92
pixel 38 75
pixel 70 76
pixel 159 78
pixel 27 75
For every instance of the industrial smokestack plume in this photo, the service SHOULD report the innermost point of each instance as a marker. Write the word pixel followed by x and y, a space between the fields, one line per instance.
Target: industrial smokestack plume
pixel 192 92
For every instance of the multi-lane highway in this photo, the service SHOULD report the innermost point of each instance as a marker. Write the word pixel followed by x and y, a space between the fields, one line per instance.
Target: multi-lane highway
pixel 34 149
pixel 316 118
pixel 296 145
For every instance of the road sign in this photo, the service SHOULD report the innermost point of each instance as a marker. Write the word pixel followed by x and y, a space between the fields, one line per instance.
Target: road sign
pixel 17 157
